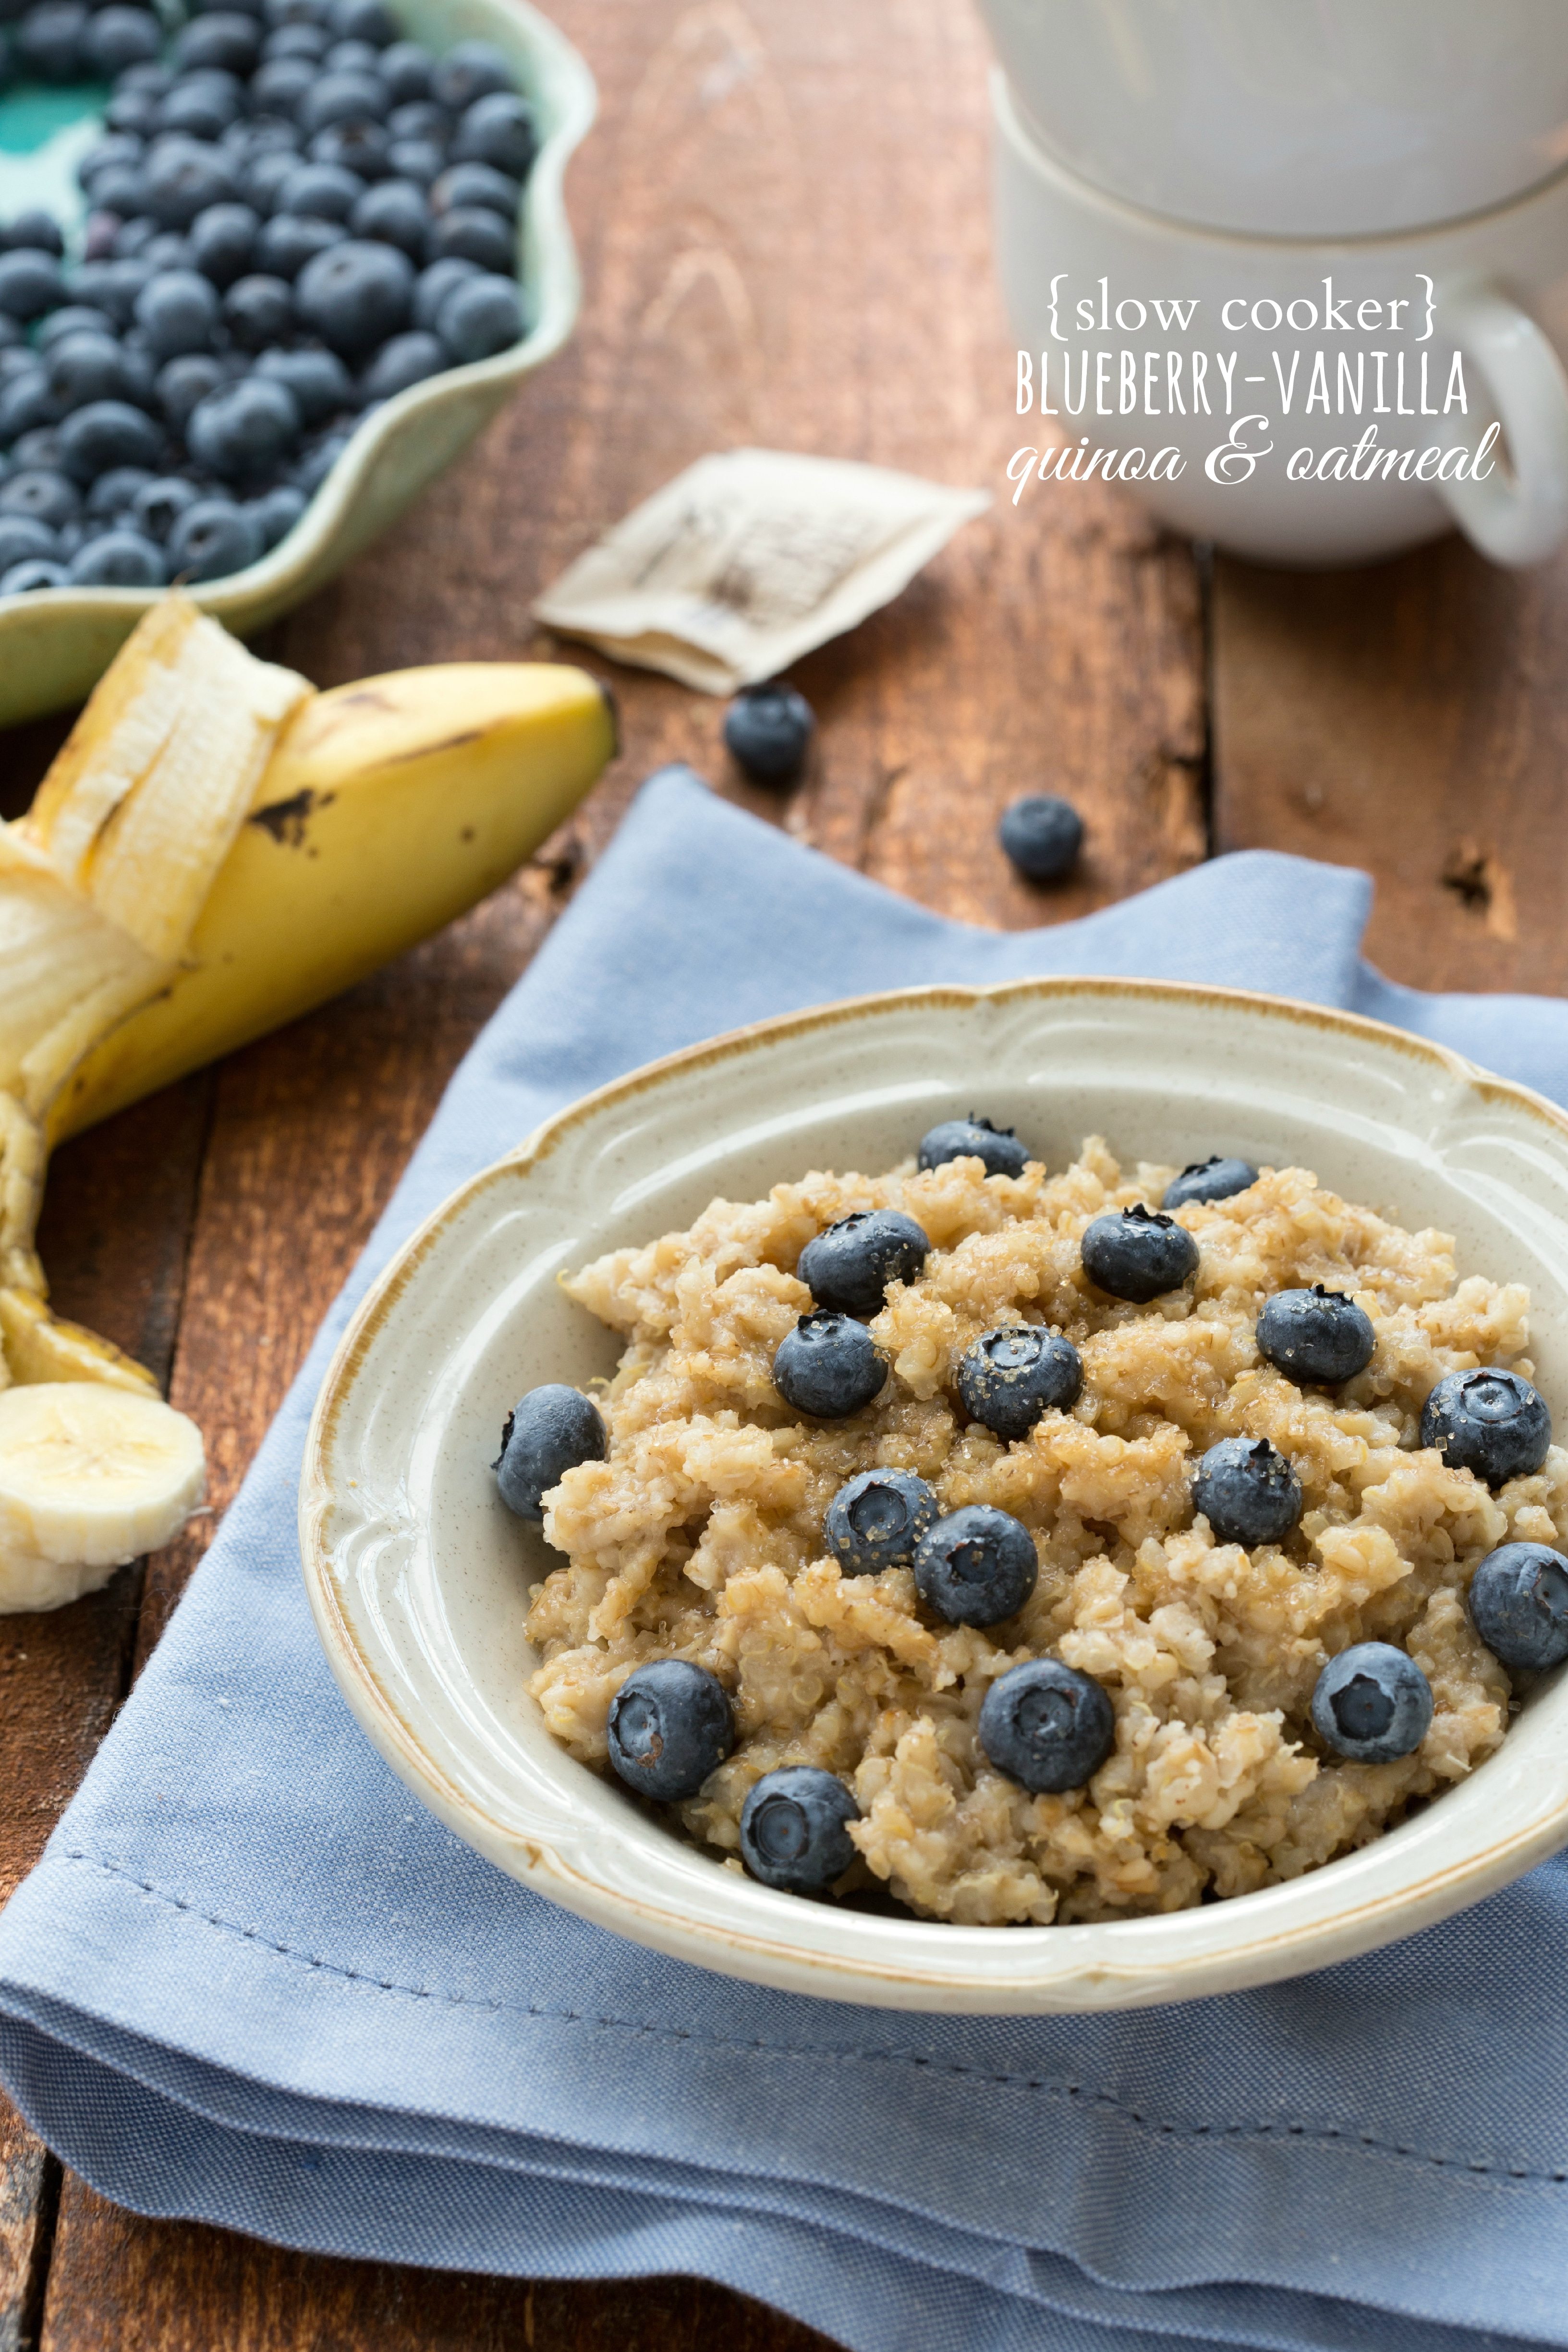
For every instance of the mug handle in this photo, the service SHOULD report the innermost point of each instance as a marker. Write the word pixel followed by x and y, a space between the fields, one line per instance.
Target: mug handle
pixel 1519 513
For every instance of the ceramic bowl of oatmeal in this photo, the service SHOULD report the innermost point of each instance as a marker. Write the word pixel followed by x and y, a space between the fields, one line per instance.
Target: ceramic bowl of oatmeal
pixel 647 1249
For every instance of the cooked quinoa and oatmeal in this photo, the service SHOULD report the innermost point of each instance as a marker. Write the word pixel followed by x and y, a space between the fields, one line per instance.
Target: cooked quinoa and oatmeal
pixel 1037 1547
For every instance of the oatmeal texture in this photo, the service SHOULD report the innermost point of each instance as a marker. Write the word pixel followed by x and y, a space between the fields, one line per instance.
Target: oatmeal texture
pixel 700 1536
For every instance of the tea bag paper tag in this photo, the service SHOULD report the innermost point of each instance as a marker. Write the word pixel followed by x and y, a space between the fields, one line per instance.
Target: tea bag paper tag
pixel 747 559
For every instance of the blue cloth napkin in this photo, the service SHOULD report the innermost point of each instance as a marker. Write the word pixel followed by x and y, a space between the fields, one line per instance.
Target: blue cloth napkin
pixel 252 1980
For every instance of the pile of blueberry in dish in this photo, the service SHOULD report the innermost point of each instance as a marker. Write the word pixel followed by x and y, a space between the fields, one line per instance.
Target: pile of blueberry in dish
pixel 294 215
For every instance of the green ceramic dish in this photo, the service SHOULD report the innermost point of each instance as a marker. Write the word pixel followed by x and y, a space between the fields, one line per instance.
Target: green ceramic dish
pixel 56 641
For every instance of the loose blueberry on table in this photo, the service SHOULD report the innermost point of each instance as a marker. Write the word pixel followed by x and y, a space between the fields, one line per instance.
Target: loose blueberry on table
pixel 767 733
pixel 1042 835
pixel 295 215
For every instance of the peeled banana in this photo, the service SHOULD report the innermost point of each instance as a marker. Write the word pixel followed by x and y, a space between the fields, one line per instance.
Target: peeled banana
pixel 217 849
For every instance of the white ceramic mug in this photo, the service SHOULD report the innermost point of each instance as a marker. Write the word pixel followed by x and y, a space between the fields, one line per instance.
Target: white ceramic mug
pixel 1062 243
pixel 1295 118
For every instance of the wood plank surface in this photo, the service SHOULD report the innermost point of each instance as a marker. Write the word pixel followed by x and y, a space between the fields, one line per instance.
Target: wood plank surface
pixel 783 225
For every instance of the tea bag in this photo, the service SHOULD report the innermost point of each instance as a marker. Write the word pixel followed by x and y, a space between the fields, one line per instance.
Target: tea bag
pixel 747 559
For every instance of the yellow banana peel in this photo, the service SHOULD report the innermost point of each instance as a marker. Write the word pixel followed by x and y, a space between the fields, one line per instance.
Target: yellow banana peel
pixel 389 807
pixel 217 849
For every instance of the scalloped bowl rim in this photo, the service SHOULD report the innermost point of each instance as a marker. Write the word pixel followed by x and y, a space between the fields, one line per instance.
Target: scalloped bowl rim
pixel 602 1857
pixel 556 284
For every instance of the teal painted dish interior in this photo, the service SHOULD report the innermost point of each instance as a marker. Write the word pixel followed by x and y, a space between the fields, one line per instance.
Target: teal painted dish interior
pixel 56 642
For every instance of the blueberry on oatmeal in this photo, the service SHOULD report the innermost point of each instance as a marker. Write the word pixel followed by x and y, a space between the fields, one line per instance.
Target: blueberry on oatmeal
pixel 1209 1180
pixel 876 1520
pixel 795 1829
pixel 1139 1255
pixel 1372 1704
pixel 1518 1606
pixel 975 1567
pixel 1317 1336
pixel 1048 1727
pixel 828 1365
pixel 1492 1422
pixel 1009 1378
pixel 551 1431
pixel 669 1726
pixel 1248 1493
pixel 848 1268
pixel 997 1148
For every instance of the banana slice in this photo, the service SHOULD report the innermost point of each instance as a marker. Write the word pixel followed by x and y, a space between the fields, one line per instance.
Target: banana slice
pixel 90 1477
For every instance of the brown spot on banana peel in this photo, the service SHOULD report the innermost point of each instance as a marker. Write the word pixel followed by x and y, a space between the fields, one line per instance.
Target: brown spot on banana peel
pixel 286 820
pixel 442 743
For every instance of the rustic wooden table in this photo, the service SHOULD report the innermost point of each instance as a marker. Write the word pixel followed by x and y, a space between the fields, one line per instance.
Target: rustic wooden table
pixel 784 226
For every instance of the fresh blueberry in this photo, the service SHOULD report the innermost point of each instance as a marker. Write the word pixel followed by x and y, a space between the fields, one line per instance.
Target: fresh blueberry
pixel 361 20
pixel 114 287
pixel 119 37
pixel 289 240
pixel 361 147
pixel 1042 835
pixel 213 539
pixel 119 192
pixel 350 56
pixel 876 1520
pixel 183 383
pixel 243 431
pixel 220 38
pixel 1491 1422
pixel 976 1567
pixel 420 119
pixel 31 282
pixel 311 42
pixel 87 366
pixel 548 1432
pixel 396 212
pixel 116 147
pixel 341 98
pixel 829 1365
pixel 99 231
pixel 223 239
pixel 51 40
pixel 482 315
pixel 670 1724
pixel 35 573
pixel 48 499
pixel 156 506
pixel 132 237
pixel 476 183
pixel 1518 1606
pixel 1372 1704
pixel 848 1268
pixel 169 251
pixel 72 319
pixel 324 191
pixel 203 107
pixel 134 109
pixel 404 360
pixel 1209 1180
pixel 434 286
pixel 974 1139
pixel 37 452
pixel 793 1828
pixel 1009 1377
pixel 767 728
pixel 407 69
pixel 23 540
pixel 1249 1494
pixel 316 463
pixel 497 130
pixel 261 176
pixel 319 381
pixel 282 83
pixel 178 312
pixel 1140 1254
pixel 294 12
pixel 114 494
pixel 420 160
pixel 471 70
pixel 25 404
pixel 1046 1726
pixel 278 512
pixel 183 177
pixel 1318 1336
pixel 474 233
pixel 118 559
pixel 356 295
pixel 33 231
pixel 108 432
